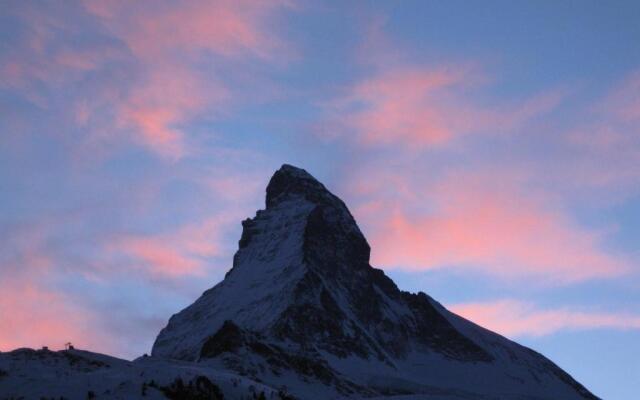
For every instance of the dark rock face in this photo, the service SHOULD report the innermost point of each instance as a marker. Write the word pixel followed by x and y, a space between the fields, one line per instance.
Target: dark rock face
pixel 201 388
pixel 302 296
pixel 433 331
pixel 289 180
pixel 337 256
pixel 232 344
pixel 229 338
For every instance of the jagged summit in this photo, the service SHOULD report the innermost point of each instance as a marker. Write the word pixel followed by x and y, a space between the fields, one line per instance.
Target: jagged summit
pixel 290 180
pixel 328 220
pixel 301 307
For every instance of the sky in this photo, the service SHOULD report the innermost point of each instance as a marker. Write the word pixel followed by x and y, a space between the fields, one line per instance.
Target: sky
pixel 490 152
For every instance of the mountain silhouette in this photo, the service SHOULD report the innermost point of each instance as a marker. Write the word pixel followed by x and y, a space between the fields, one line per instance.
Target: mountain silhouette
pixel 302 314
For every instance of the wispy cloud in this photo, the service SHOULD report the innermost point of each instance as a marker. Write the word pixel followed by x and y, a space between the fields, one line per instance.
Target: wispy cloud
pixel 62 275
pixel 445 182
pixel 516 318
pixel 624 99
pixel 139 71
pixel 230 28
pixel 168 96
pixel 32 311
pixel 186 251
pixel 171 42
pixel 604 148
pixel 480 221
pixel 401 102
pixel 418 107
pixel 35 316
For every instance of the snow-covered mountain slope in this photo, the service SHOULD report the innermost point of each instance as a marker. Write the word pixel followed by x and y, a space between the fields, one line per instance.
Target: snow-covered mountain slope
pixel 303 308
pixel 302 314
pixel 76 374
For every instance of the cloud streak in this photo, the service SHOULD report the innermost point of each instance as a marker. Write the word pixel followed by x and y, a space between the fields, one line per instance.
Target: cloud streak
pixel 186 251
pixel 425 107
pixel 516 318
pixel 480 221
pixel 34 316
pixel 172 43
pixel 150 67
pixel 32 312
pixel 417 106
pixel 441 186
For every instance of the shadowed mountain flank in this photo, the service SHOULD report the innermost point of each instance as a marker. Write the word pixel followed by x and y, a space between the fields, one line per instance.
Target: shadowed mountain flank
pixel 302 306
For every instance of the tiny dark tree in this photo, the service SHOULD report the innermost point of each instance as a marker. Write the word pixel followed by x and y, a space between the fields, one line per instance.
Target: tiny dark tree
pixel 199 389
pixel 283 395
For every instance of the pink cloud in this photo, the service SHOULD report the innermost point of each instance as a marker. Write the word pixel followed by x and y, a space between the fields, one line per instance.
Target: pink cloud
pixel 225 27
pixel 169 39
pixel 235 186
pixel 605 144
pixel 484 222
pixel 51 293
pixel 184 252
pixel 417 107
pixel 44 53
pixel 32 313
pixel 604 157
pixel 168 96
pixel 624 100
pixel 400 106
pixel 32 316
pixel 159 256
pixel 164 50
pixel 516 318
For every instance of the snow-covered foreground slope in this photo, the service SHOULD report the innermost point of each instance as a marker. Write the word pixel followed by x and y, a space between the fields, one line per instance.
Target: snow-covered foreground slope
pixel 303 315
pixel 76 374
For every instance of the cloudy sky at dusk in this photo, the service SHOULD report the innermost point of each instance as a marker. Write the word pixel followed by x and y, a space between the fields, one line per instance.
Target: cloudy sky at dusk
pixel 489 152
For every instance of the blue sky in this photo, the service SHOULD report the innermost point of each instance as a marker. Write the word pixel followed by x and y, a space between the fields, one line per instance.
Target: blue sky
pixel 489 152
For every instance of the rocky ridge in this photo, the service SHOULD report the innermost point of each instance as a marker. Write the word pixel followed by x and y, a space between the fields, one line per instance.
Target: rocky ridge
pixel 302 299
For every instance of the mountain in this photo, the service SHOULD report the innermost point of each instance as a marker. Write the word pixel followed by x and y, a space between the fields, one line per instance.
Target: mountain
pixel 302 300
pixel 72 374
pixel 302 314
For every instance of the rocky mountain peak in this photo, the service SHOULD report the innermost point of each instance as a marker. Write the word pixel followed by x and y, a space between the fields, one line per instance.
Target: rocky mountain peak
pixel 302 305
pixel 295 196
pixel 290 180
